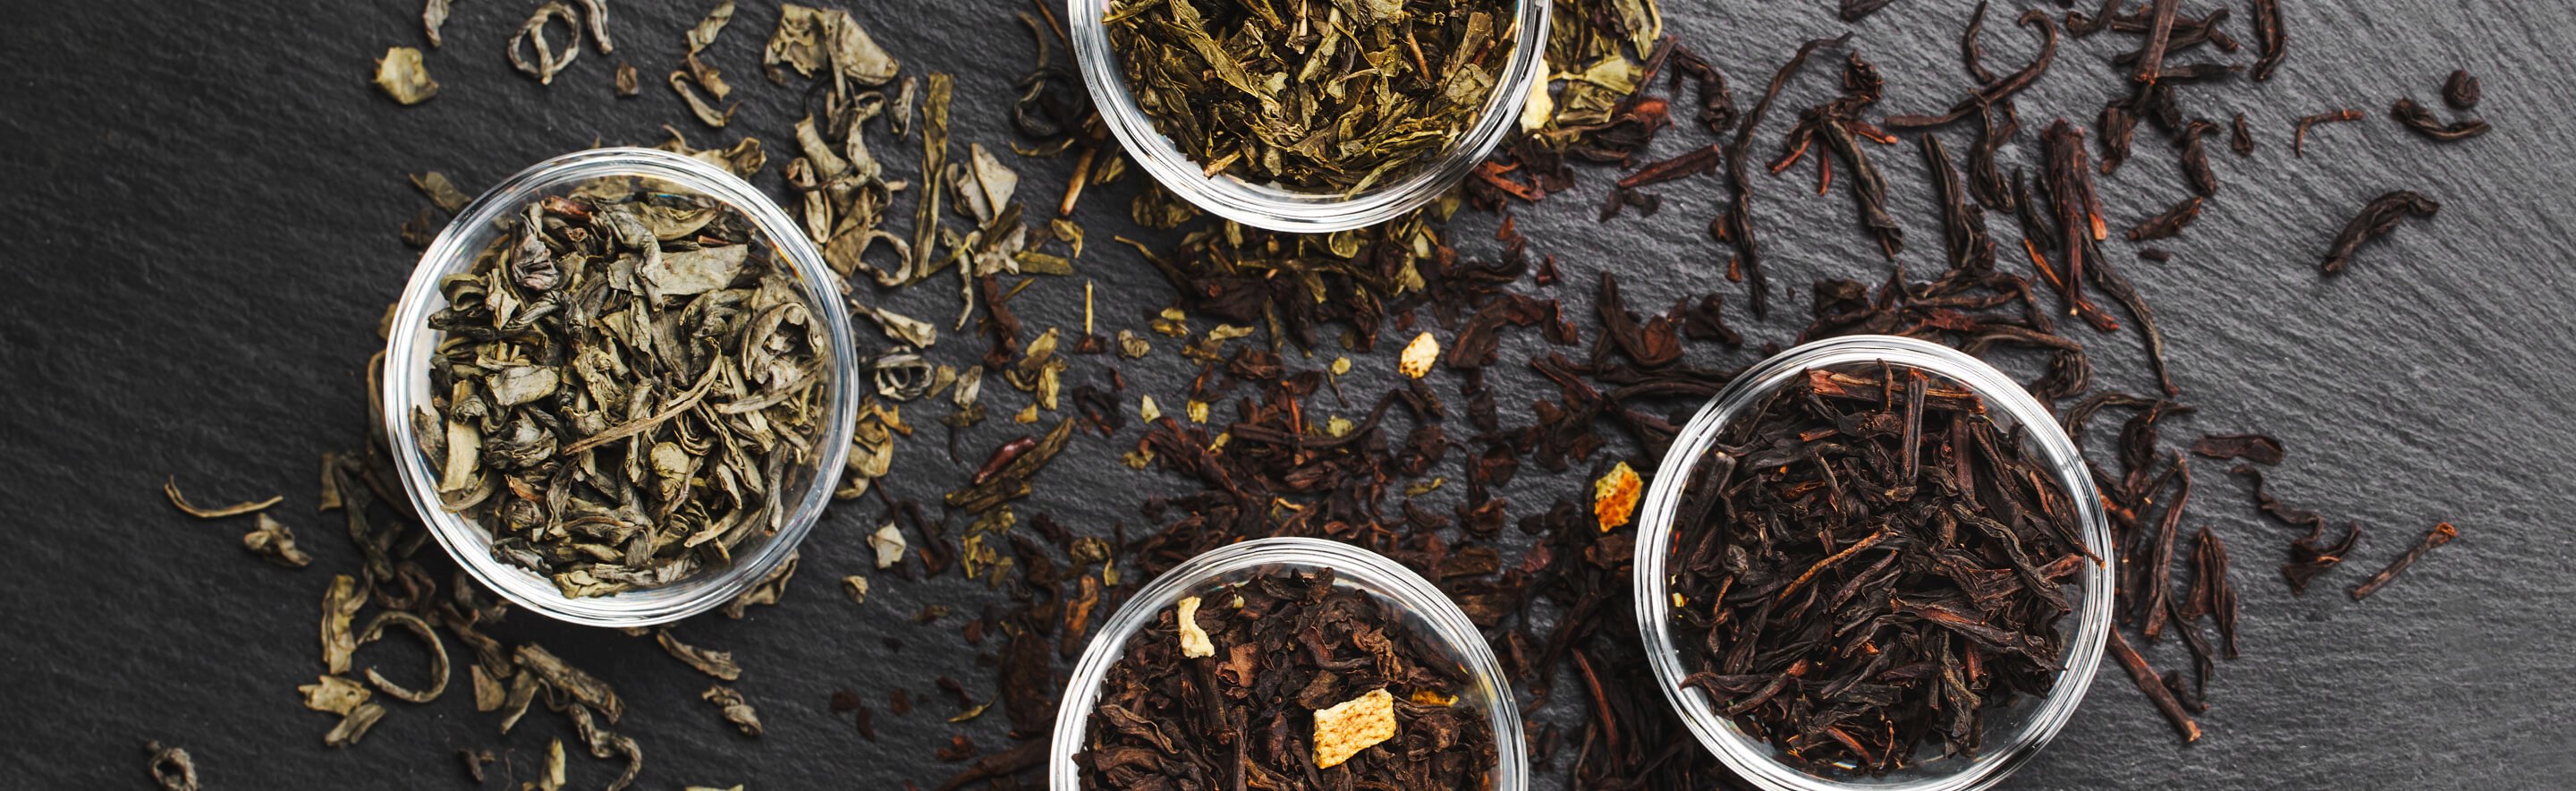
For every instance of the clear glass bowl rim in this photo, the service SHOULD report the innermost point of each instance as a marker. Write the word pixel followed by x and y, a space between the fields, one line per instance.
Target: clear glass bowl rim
pixel 1351 565
pixel 406 377
pixel 1279 209
pixel 1752 758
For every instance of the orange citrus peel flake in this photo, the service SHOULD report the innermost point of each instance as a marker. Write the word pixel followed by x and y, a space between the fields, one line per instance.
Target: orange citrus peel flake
pixel 1353 725
pixel 1614 497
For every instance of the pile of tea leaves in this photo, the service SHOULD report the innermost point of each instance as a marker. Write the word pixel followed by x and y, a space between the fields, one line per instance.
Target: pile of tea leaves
pixel 1298 683
pixel 1491 443
pixel 1332 97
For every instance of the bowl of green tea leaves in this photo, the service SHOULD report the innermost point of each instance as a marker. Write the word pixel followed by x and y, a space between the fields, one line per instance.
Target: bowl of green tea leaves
pixel 1309 115
pixel 618 387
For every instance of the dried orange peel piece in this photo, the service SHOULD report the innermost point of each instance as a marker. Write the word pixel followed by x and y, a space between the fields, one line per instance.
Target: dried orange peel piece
pixel 1353 725
pixel 1614 497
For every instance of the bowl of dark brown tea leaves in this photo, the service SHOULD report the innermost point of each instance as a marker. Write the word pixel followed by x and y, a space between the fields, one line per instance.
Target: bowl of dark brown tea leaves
pixel 1873 562
pixel 1309 116
pixel 1288 663
pixel 619 387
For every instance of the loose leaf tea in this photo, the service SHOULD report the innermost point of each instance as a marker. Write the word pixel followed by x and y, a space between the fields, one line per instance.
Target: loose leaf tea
pixel 402 75
pixel 631 384
pixel 1291 682
pixel 1322 97
pixel 2461 90
pixel 1868 564
pixel 2419 119
pixel 548 61
pixel 171 768
pixel 2375 220
pixel 170 489
pixel 2299 139
pixel 2439 535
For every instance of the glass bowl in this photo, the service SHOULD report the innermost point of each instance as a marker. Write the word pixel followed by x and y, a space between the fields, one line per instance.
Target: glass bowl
pixel 2014 733
pixel 1282 209
pixel 406 387
pixel 1422 606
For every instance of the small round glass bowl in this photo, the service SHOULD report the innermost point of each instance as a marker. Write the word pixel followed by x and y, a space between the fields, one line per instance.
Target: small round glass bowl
pixel 1421 604
pixel 2013 734
pixel 1282 209
pixel 406 386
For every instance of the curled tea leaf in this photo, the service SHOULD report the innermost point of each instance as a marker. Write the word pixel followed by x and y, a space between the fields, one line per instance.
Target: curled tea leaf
pixel 434 16
pixel 171 768
pixel 705 31
pixel 532 33
pixel 273 542
pixel 596 11
pixel 438 670
pixel 170 488
pixel 706 113
pixel 340 604
pixel 569 681
pixel 719 664
pixel 736 709
pixel 401 75
pixel 857 587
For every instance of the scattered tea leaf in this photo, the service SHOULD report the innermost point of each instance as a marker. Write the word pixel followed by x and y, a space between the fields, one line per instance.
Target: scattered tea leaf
pixel 402 75
pixel 170 489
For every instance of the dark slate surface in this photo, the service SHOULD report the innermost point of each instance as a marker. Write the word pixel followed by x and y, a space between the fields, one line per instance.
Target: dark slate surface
pixel 201 202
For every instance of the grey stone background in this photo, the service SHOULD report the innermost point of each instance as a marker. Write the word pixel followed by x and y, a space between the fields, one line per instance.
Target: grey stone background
pixel 200 207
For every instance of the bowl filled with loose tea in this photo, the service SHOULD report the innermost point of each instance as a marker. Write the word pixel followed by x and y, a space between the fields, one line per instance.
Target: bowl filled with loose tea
pixel 1288 663
pixel 617 387
pixel 1873 562
pixel 1310 116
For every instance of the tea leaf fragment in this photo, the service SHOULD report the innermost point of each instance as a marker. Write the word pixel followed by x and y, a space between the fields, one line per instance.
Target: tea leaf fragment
pixel 719 664
pixel 706 113
pixel 705 32
pixel 353 726
pixel 334 695
pixel 170 489
pixel 889 544
pixel 857 588
pixel 569 681
pixel 402 75
pixel 171 768
pixel 736 709
pixel 441 191
pixel 340 604
pixel 432 17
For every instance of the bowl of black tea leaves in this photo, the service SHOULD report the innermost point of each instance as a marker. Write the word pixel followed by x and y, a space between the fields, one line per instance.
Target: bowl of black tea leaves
pixel 1310 117
pixel 1288 663
pixel 1873 562
pixel 618 387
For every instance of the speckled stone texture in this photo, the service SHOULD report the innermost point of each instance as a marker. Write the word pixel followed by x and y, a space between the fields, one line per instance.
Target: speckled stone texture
pixel 200 212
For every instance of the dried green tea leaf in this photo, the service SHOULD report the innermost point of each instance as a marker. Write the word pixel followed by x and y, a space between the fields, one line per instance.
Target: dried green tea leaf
pixel 353 725
pixel 441 191
pixel 434 16
pixel 1132 346
pixel 705 31
pixel 889 544
pixel 334 695
pixel 438 670
pixel 629 83
pixel 549 62
pixel 764 592
pixel 171 768
pixel 523 690
pixel 901 328
pixel 706 76
pixel 719 664
pixel 488 692
pixel 569 681
pixel 809 39
pixel 419 231
pixel 170 489
pixel 274 543
pixel 743 159
pixel 340 605
pixel 857 587
pixel 401 75
pixel 699 107
pixel 736 709
pixel 596 11
pixel 552 779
